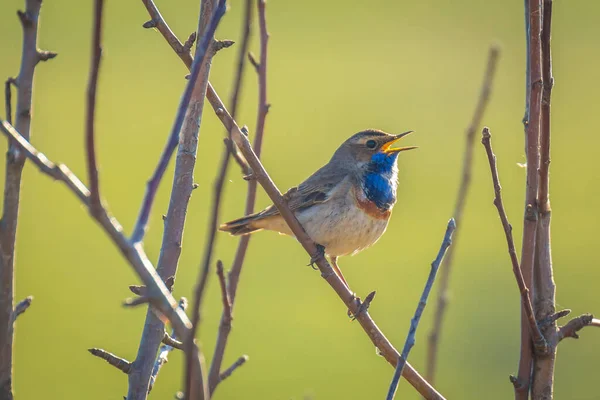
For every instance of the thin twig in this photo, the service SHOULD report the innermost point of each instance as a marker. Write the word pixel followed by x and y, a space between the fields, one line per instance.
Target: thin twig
pixel 8 98
pixel 120 363
pixel 161 25
pixel 21 307
pixel 91 107
pixel 461 198
pixel 414 322
pixel 532 134
pixel 234 274
pixel 12 187
pixel 171 341
pixel 152 187
pixel 224 291
pixel 238 363
pixel 525 299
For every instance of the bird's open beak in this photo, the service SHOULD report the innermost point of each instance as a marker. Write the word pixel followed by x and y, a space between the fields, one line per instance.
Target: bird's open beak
pixel 387 148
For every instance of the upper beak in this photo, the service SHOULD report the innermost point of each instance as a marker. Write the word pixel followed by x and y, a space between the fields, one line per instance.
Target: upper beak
pixel 387 148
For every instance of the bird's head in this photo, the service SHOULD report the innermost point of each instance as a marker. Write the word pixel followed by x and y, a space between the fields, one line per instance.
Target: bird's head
pixel 370 145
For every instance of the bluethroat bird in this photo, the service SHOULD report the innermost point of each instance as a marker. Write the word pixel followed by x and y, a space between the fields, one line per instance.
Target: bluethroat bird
pixel 346 205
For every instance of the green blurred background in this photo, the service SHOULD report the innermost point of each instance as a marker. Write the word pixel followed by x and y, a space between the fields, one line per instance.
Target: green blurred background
pixel 335 68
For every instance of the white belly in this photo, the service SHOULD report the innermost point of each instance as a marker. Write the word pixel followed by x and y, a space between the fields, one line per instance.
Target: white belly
pixel 341 227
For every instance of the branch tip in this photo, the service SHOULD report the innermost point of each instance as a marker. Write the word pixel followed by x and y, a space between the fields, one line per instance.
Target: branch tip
pixel 120 363
pixel 150 24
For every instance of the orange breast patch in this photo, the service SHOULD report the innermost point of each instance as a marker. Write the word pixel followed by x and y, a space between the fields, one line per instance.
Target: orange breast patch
pixel 369 207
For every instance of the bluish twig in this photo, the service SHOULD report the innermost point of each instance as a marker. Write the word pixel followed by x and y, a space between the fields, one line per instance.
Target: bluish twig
pixel 414 322
pixel 152 186
pixel 164 351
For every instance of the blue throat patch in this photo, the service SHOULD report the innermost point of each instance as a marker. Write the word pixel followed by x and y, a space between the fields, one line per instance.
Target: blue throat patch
pixel 378 185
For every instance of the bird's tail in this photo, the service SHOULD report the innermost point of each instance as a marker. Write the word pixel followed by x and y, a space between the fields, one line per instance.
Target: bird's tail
pixel 242 226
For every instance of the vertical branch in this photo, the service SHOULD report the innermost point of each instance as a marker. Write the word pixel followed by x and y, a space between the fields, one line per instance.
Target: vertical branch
pixel 414 323
pixel 545 288
pixel 181 191
pixel 91 106
pixel 216 203
pixel 215 375
pixel 532 127
pixel 442 298
pixel 15 160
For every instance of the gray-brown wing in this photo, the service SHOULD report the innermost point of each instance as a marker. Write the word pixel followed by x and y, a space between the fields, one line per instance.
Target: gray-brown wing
pixel 316 189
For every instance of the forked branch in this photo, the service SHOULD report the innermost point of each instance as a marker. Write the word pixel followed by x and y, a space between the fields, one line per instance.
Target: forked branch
pixel 525 299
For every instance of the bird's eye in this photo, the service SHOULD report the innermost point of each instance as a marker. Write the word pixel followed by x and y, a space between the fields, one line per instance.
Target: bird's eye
pixel 371 144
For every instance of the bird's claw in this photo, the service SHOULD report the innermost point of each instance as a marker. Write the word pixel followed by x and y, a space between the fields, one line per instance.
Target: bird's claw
pixel 363 306
pixel 315 258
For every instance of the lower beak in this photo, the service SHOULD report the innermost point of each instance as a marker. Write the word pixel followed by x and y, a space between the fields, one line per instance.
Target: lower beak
pixel 387 148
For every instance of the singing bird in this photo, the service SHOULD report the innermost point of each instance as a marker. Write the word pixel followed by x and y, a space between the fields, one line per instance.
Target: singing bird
pixel 346 205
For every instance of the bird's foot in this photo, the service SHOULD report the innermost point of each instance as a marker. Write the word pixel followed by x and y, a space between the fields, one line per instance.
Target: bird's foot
pixel 363 306
pixel 315 258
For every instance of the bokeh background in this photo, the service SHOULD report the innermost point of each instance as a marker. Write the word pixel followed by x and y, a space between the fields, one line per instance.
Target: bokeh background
pixel 335 68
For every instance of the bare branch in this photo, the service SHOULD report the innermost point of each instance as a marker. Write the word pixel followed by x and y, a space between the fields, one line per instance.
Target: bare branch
pixel 532 135
pixel 414 323
pixel 225 324
pixel 8 98
pixel 216 202
pixel 525 299
pixel 204 45
pixel 172 342
pixel 21 307
pixel 575 325
pixel 12 186
pixel 117 362
pixel 238 363
pixel 544 287
pixel 91 107
pixel 161 25
pixel 169 344
pixel 442 297
pixel 134 253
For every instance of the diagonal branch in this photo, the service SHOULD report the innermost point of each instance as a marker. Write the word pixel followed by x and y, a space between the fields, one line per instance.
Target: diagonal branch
pixel 134 253
pixel 184 54
pixel 525 299
pixel 442 298
pixel 414 323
